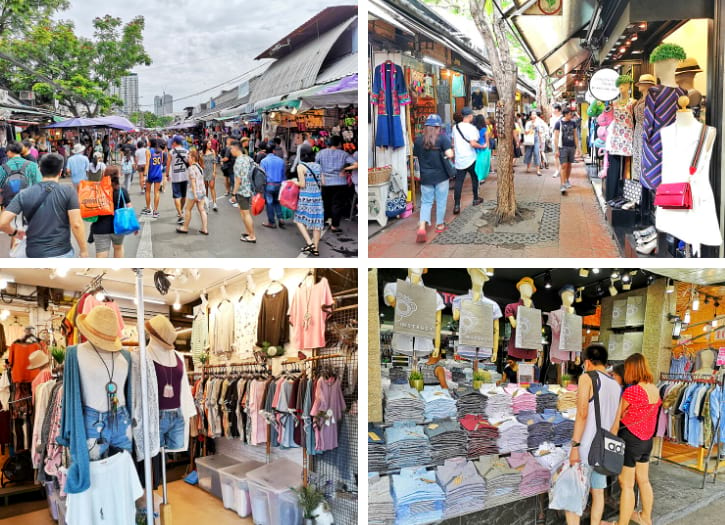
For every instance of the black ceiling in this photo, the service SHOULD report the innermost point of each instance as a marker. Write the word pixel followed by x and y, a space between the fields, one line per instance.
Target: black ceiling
pixel 502 286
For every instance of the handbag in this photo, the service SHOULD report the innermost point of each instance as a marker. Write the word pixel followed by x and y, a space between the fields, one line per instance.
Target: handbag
pixel 529 138
pixel 257 204
pixel 396 199
pixel 124 219
pixel 289 194
pixel 447 166
pixel 606 455
pixel 96 198
pixel 678 195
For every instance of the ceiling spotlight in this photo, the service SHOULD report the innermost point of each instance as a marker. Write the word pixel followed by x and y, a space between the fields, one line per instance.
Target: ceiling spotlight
pixel 696 303
pixel 687 316
pixel 595 270
pixel 100 296
pixel 3 284
pixel 615 274
pixel 634 37
pixel 583 272
pixel 612 289
pixel 643 26
pixel 670 286
pixel 177 303
pixel 4 314
pixel 547 280
pixel 489 272
pixel 589 331
pixel 626 278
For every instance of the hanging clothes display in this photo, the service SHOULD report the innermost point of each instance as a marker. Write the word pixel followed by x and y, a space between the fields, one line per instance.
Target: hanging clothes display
pixel 272 326
pixel 199 332
pixel 389 94
pixel 511 310
pixel 246 310
pixel 307 315
pixel 222 319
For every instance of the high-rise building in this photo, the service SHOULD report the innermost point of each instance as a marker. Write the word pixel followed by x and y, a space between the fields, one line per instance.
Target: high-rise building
pixel 128 92
pixel 164 105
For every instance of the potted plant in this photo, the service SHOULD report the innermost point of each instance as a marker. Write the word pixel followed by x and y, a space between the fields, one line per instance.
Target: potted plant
pixel 479 377
pixel 565 380
pixel 416 380
pixel 310 498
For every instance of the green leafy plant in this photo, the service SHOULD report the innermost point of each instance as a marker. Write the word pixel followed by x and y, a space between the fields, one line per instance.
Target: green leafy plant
pixel 479 375
pixel 623 79
pixel 204 358
pixel 415 376
pixel 310 498
pixel 667 52
pixel 58 354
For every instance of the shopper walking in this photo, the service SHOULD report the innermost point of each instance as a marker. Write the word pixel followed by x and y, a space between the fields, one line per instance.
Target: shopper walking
pixel 154 176
pixel 97 167
pixel 310 213
pixel 209 156
pixel 77 166
pixel 177 172
pixel 465 144
pixel 433 149
pixel 274 166
pixel 335 188
pixel 636 423
pixel 242 188
pixel 532 143
pixel 10 183
pixel 141 155
pixel 52 213
pixel 585 426
pixel 227 165
pixel 196 194
pixel 483 156
pixel 127 169
pixel 566 146
pixel 102 232
pixel 555 118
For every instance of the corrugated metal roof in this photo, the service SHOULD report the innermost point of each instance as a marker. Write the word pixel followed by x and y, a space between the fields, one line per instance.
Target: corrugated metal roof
pixel 299 69
pixel 320 23
pixel 341 68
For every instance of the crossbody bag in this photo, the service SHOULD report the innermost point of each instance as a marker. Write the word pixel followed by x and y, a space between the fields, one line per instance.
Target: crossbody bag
pixel 606 455
pixel 678 195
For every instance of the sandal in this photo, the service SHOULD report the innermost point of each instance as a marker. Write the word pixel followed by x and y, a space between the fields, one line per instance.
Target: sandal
pixel 271 226
pixel 245 238
pixel 441 228
pixel 335 230
pixel 203 232
pixel 306 248
pixel 421 236
pixel 314 252
pixel 179 230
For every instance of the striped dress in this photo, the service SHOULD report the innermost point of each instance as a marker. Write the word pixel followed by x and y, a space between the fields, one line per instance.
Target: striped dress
pixel 310 210
pixel 660 110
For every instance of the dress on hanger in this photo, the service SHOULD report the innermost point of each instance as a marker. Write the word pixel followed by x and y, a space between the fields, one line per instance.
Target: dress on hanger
pixel 307 317
pixel 272 324
pixel 637 145
pixel 660 111
pixel 620 136
pixel 700 224
pixel 389 94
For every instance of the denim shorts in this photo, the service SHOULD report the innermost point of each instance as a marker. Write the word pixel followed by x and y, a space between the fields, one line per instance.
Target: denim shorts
pixel 104 430
pixel 598 481
pixel 179 189
pixel 171 429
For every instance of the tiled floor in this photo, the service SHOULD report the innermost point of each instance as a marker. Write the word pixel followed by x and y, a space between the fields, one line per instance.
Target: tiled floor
pixel 583 230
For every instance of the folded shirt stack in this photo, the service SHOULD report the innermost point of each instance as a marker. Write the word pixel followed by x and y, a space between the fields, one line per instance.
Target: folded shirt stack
pixel 407 446
pixel 469 401
pixel 447 440
pixel 403 403
pixel 463 486
pixel 550 456
pixel 535 479
pixel 376 449
pixel 398 376
pixel 418 498
pixel 482 436
pixel 523 401
pixel 546 400
pixel 438 403
pixel 502 481
pixel 567 400
pixel 539 428
pixel 381 509
pixel 562 427
pixel 498 402
pixel 512 435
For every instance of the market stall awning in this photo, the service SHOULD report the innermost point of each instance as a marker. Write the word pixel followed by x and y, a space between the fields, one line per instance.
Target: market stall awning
pixel 113 122
pixel 554 40
pixel 338 94
pixel 183 125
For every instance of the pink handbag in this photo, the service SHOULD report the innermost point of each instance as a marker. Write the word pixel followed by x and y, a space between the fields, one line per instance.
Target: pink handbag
pixel 678 195
pixel 289 194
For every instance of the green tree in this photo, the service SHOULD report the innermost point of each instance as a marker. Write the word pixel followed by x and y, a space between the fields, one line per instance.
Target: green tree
pixel 147 119
pixel 17 16
pixel 85 68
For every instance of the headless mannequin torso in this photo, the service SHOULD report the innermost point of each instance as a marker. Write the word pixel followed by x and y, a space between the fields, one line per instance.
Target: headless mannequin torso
pixel 525 293
pixel 478 279
pixel 95 376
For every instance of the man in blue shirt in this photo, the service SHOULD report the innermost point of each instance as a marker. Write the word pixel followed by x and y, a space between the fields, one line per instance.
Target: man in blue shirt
pixel 78 166
pixel 274 167
pixel 336 192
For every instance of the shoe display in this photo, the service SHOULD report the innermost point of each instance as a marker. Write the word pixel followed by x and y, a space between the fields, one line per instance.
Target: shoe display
pixel 649 230
pixel 647 240
pixel 648 248
pixel 628 205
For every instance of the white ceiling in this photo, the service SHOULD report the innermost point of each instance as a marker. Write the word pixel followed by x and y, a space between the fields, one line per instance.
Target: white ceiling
pixel 122 282
pixel 700 276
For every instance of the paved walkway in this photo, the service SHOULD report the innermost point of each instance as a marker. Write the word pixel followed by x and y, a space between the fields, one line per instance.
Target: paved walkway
pixel 570 225
pixel 158 238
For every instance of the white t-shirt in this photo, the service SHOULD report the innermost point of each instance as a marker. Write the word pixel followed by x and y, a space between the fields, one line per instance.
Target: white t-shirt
pixel 140 154
pixel 404 344
pixel 95 376
pixel 107 503
pixel 465 153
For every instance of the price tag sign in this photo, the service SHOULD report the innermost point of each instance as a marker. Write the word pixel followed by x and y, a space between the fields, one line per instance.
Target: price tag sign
pixel 721 356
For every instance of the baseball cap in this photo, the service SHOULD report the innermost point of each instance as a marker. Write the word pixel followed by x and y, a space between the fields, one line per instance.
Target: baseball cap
pixel 466 111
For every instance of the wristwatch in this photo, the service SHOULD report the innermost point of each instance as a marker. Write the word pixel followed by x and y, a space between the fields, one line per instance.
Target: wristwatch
pixel 575 443
pixel 14 233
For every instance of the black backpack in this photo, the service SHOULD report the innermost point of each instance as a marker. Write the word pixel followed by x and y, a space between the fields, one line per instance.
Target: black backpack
pixel 15 181
pixel 17 469
pixel 258 178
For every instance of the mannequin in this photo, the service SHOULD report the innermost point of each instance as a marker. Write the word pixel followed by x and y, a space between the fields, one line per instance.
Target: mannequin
pixel 479 277
pixel 660 110
pixel 409 345
pixel 526 289
pixel 707 362
pixel 699 225
pixel 685 77
pixel 567 294
pixel 644 84
pixel 620 139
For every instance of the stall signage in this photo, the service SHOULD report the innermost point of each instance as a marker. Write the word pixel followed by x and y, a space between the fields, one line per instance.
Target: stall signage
pixel 415 310
pixel 545 8
pixel 721 356
pixel 603 85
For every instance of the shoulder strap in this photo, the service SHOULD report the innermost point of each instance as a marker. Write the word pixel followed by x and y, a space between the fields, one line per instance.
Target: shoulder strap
pixel 698 150
pixel 121 197
pixel 311 172
pixel 46 191
pixel 594 376
pixel 458 129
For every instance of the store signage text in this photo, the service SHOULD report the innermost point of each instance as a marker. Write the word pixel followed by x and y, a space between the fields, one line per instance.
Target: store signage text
pixel 603 85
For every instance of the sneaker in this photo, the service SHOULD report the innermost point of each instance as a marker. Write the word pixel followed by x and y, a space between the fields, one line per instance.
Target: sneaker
pixel 235 205
pixel 214 207
pixel 478 201
pixel 647 248
pixel 555 175
pixel 146 211
pixel 649 230
pixel 155 215
pixel 179 220
pixel 562 189
pixel 567 184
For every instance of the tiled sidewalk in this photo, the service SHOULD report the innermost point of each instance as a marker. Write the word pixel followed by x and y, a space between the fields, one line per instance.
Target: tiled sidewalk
pixel 583 230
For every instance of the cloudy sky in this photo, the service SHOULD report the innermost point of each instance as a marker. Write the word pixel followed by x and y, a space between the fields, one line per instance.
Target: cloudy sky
pixel 197 44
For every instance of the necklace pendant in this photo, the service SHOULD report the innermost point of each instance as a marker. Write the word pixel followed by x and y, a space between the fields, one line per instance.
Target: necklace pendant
pixel 168 391
pixel 306 320
pixel 111 388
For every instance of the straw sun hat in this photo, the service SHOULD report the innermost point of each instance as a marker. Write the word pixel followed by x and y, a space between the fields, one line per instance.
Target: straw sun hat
pixel 100 327
pixel 38 359
pixel 160 328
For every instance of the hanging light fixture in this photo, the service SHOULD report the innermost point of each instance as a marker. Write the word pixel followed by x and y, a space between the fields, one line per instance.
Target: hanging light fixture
pixel 615 275
pixel 670 286
pixel 696 302
pixel 595 270
pixel 547 280
pixel 686 318
pixel 177 302
pixel 612 288
pixel 584 272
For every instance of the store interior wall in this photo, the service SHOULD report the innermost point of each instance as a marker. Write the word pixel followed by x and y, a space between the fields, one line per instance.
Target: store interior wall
pixel 693 37
pixel 375 387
